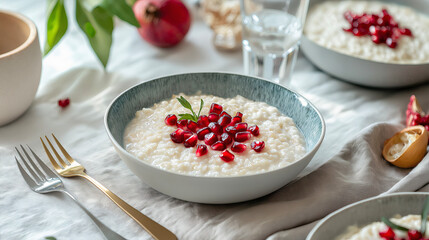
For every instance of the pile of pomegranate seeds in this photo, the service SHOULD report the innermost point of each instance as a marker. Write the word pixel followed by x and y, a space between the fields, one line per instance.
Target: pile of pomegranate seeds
pixel 64 102
pixel 381 27
pixel 389 234
pixel 218 129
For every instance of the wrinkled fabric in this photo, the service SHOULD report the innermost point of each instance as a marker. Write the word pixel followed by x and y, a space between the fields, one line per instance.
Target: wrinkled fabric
pixel 348 166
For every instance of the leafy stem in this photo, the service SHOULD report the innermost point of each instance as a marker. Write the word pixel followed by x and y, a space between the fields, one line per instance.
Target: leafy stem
pixel 193 117
pixel 393 225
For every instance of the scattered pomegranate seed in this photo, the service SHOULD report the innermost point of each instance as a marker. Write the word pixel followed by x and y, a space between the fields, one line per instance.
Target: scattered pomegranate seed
pixel 202 132
pixel 238 147
pixel 216 128
pixel 192 126
pixel 414 235
pixel 182 123
pixel 64 102
pixel 210 138
pixel 224 113
pixel 388 234
pixel 218 146
pixel 226 138
pixel 224 120
pixel 177 136
pixel 203 121
pixel 257 145
pixel 235 120
pixel 254 130
pixel 231 130
pixel 201 150
pixel 170 120
pixel 191 141
pixel 239 114
pixel 226 156
pixel 187 134
pixel 213 117
pixel 241 127
pixel 216 108
pixel 242 136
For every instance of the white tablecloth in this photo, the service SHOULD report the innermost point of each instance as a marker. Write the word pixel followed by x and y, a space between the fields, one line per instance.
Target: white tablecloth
pixel 71 70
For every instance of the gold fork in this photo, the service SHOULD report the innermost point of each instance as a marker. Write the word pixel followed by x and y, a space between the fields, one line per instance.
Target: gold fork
pixel 74 169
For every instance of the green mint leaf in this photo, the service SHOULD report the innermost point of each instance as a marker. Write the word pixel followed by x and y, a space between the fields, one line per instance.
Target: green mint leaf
pixel 393 226
pixel 201 107
pixel 424 217
pixel 101 22
pixel 121 9
pixel 184 103
pixel 50 238
pixel 56 25
pixel 186 116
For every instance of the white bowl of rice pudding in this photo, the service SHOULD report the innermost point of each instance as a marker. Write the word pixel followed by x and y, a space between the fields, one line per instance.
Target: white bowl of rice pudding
pixel 358 59
pixel 290 130
pixel 363 220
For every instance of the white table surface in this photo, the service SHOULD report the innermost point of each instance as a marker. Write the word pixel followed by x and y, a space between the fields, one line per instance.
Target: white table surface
pixel 71 70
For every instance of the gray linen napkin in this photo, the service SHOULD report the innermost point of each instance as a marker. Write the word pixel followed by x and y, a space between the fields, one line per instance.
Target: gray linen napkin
pixel 356 172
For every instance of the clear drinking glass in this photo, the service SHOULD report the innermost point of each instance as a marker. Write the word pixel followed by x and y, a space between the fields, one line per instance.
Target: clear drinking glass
pixel 271 32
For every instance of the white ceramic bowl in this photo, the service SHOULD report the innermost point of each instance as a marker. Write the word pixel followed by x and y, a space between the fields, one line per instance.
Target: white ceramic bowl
pixel 214 189
pixel 367 211
pixel 366 72
pixel 20 65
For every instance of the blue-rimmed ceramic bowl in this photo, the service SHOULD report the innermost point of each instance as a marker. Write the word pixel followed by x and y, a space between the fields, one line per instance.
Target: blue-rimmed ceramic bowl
pixel 214 189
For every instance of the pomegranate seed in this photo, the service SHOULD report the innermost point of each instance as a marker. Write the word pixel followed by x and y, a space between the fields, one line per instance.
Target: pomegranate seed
pixel 215 108
pixel 224 113
pixel 238 147
pixel 177 136
pixel 216 128
pixel 187 134
pixel 388 234
pixel 203 121
pixel 405 31
pixel 213 117
pixel 218 146
pixel 64 102
pixel 191 141
pixel 226 138
pixel 170 120
pixel 235 120
pixel 242 136
pixel 224 120
pixel 231 130
pixel 257 145
pixel 193 126
pixel 239 114
pixel 226 156
pixel 210 138
pixel 241 127
pixel 201 150
pixel 254 130
pixel 182 123
pixel 202 132
pixel 414 235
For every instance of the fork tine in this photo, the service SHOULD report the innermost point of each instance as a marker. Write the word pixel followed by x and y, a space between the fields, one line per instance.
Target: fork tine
pixel 35 176
pixel 54 163
pixel 35 167
pixel 60 159
pixel 45 168
pixel 66 154
pixel 24 174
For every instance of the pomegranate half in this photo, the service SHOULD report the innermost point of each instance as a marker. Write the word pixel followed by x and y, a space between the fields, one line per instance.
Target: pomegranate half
pixel 163 23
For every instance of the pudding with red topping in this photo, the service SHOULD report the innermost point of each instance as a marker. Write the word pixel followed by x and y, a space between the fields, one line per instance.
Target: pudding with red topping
pixel 232 137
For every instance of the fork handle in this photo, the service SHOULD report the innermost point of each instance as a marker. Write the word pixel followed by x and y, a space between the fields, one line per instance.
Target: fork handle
pixel 156 230
pixel 107 232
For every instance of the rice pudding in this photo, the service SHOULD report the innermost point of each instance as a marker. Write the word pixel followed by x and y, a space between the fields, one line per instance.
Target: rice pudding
pixel 148 138
pixel 372 231
pixel 326 21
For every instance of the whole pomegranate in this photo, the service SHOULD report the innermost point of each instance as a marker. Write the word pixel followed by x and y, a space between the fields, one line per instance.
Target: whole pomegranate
pixel 163 23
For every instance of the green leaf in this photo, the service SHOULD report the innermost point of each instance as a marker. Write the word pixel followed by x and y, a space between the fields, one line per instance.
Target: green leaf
pixel 50 238
pixel 97 24
pixel 393 226
pixel 184 103
pixel 187 116
pixel 120 9
pixel 424 216
pixel 56 25
pixel 201 107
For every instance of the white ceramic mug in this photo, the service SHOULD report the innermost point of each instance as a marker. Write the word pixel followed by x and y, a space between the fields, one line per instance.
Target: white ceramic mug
pixel 20 65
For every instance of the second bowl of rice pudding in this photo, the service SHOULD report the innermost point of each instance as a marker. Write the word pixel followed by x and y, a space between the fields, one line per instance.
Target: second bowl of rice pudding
pixel 291 128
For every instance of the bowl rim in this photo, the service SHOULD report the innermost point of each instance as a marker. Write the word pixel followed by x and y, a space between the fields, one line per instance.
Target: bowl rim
pixel 355 204
pixel 142 162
